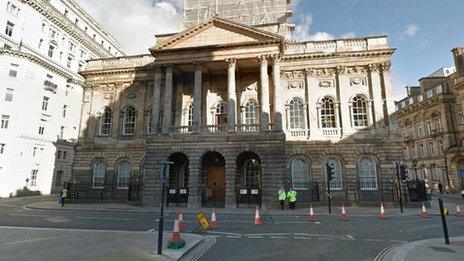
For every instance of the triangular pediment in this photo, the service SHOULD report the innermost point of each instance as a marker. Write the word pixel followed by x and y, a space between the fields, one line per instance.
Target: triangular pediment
pixel 216 31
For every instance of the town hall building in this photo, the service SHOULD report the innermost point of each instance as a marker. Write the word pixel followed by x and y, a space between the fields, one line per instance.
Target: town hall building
pixel 241 110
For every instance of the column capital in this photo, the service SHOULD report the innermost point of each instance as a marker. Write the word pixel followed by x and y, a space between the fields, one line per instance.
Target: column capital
pixel 385 66
pixel 276 58
pixel 374 67
pixel 198 66
pixel 169 67
pixel 158 69
pixel 231 62
pixel 262 59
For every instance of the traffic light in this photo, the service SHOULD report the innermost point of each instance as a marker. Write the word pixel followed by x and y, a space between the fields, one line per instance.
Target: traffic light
pixel 330 172
pixel 403 172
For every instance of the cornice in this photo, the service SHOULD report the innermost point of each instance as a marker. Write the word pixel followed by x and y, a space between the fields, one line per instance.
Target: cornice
pixel 348 54
pixel 62 22
pixel 38 60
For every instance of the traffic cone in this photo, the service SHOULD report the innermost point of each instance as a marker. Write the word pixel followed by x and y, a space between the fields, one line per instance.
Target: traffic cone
pixel 382 214
pixel 311 217
pixel 176 241
pixel 213 223
pixel 343 215
pixel 424 213
pixel 458 212
pixel 180 217
pixel 257 221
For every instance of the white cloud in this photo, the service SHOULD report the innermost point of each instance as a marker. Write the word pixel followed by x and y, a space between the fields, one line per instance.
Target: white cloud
pixel 411 30
pixel 321 36
pixel 301 31
pixel 348 35
pixel 134 23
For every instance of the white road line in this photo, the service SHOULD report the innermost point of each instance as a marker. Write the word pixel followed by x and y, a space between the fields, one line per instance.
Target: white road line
pixel 234 237
pixel 325 238
pixel 373 240
pixel 278 237
pixel 224 233
pixel 152 230
pixel 269 234
pixel 303 238
pixel 293 222
pixel 104 218
pixel 255 237
pixel 350 236
pixel 73 229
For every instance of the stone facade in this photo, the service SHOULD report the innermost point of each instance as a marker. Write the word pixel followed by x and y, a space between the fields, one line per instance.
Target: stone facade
pixel 431 120
pixel 240 116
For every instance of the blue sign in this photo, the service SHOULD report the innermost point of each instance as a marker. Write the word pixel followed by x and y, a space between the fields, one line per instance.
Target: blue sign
pixel 461 174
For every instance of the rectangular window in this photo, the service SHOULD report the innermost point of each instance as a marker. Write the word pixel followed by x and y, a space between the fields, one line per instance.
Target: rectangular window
pixel 65 108
pixel 9 95
pixel 71 46
pixel 51 48
pixel 59 176
pixel 34 151
pixel 65 154
pixel 69 62
pixel 12 9
pixel 431 149
pixel 2 148
pixel 422 151
pixel 9 28
pixel 5 122
pixel 440 146
pixel 41 130
pixel 34 177
pixel 13 70
pixel 58 154
pixel 45 103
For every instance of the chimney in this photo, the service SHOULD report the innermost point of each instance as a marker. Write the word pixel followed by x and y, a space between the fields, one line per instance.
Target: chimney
pixel 458 54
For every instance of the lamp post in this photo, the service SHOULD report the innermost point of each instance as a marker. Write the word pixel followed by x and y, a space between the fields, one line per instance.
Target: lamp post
pixel 164 177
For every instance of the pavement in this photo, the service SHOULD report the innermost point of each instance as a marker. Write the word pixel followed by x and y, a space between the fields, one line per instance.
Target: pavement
pixel 427 250
pixel 20 243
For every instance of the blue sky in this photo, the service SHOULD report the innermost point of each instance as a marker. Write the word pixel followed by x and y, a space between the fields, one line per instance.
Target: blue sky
pixel 424 31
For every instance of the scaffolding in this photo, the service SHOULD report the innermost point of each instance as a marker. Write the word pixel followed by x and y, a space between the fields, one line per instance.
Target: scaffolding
pixel 250 12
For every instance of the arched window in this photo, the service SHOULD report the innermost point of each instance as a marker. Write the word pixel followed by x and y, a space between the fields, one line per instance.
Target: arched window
pixel 252 170
pixel 150 123
pixel 190 115
pixel 98 175
pixel 128 127
pixel 336 183
pixel 105 122
pixel 251 112
pixel 300 175
pixel 367 174
pixel 124 174
pixel 328 113
pixel 296 114
pixel 359 111
pixel 221 113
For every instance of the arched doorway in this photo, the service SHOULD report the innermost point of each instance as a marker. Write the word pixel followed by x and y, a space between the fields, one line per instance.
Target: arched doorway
pixel 213 169
pixel 178 180
pixel 248 181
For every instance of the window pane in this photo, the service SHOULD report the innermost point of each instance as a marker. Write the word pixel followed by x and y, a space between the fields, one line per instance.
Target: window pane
pixel 328 113
pixel 296 114
pixel 124 172
pixel 359 111
pixel 367 174
pixel 300 175
pixel 99 170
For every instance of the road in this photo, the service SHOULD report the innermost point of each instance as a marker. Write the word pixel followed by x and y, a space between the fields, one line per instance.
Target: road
pixel 291 236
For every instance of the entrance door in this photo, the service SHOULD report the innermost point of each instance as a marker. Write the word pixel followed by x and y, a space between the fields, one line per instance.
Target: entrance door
pixel 217 184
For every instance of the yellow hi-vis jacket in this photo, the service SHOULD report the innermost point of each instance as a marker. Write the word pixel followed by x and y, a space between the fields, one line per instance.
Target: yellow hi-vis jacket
pixel 291 195
pixel 282 194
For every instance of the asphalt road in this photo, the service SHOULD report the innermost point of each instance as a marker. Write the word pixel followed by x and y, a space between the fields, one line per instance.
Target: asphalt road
pixel 291 237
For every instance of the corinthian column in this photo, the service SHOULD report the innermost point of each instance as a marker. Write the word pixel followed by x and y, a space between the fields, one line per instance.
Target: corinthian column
pixel 197 96
pixel 264 91
pixel 155 109
pixel 232 95
pixel 167 108
pixel 277 94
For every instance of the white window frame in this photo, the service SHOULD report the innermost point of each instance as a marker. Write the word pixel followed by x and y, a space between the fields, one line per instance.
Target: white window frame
pixel 359 112
pixel 296 114
pixel 300 174
pixel 45 101
pixel 98 175
pixel 34 174
pixel 5 121
pixel 9 94
pixel 129 121
pixel 250 113
pixel 124 175
pixel 328 117
pixel 9 28
pixel 105 121
pixel 367 173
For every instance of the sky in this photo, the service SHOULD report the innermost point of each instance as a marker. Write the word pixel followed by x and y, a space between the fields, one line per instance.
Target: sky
pixel 423 31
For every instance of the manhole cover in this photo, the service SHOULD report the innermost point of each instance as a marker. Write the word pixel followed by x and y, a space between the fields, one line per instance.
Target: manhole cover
pixel 442 249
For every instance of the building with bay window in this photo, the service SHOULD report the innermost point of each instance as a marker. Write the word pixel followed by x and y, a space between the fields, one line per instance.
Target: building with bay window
pixel 43 46
pixel 241 111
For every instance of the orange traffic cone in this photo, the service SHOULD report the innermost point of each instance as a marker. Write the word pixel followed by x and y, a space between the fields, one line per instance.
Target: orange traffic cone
pixel 180 217
pixel 257 221
pixel 424 213
pixel 343 215
pixel 176 241
pixel 213 223
pixel 458 212
pixel 311 217
pixel 382 214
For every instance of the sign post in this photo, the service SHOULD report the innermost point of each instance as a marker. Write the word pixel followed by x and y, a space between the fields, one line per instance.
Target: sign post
pixel 164 177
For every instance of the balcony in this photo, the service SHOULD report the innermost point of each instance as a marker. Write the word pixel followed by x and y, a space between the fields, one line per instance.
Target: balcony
pixel 49 86
pixel 249 128
pixel 181 129
pixel 299 133
pixel 331 132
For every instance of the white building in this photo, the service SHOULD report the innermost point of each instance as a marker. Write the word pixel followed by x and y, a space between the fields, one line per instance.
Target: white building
pixel 43 46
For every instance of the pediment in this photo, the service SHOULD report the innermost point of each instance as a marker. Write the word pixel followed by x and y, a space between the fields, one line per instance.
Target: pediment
pixel 216 31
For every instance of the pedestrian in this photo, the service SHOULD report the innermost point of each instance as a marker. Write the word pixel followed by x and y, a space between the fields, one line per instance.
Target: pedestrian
pixel 440 187
pixel 291 195
pixel 63 195
pixel 282 196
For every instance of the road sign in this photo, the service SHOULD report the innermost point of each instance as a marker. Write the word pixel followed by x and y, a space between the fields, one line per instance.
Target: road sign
pixel 201 218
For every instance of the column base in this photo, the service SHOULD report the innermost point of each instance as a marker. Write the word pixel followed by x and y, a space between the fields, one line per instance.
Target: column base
pixel 193 201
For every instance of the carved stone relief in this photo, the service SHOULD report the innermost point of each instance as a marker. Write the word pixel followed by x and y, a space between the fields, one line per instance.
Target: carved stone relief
pixel 293 79
pixel 326 83
pixel 358 81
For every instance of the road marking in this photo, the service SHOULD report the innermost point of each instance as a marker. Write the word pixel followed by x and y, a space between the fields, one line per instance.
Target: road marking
pixel 73 229
pixel 104 218
pixel 317 222
pixel 278 237
pixel 373 240
pixel 28 215
pixel 152 230
pixel 293 222
pixel 325 238
pixel 303 238
pixel 29 241
pixel 350 236
pixel 255 237
pixel 225 233
pixel 269 234
pixel 234 237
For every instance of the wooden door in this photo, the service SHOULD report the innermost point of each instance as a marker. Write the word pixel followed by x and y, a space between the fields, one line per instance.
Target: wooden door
pixel 217 183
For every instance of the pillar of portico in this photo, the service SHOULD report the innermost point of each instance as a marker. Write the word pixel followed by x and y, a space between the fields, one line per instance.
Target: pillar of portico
pixel 264 91
pixel 167 108
pixel 232 95
pixel 278 110
pixel 197 97
pixel 155 111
